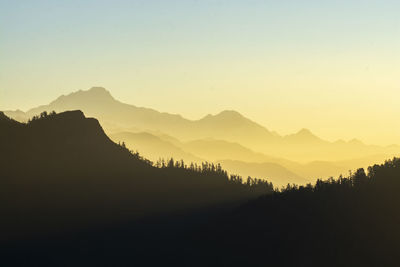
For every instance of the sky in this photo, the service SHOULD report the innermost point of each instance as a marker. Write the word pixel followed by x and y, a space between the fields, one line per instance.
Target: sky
pixel 330 66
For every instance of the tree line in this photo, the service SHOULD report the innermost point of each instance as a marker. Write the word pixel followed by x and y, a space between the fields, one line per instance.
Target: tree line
pixel 204 168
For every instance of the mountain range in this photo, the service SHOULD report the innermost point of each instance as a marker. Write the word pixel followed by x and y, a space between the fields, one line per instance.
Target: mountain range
pixel 73 194
pixel 224 137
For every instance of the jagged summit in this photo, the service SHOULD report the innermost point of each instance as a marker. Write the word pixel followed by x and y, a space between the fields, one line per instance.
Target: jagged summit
pixel 229 113
pixel 304 132
pixel 303 135
pixel 224 115
pixel 98 89
pixel 53 128
pixel 93 94
pixel 70 121
pixel 73 114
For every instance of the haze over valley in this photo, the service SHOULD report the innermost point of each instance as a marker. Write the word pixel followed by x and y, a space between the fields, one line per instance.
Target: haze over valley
pixel 242 146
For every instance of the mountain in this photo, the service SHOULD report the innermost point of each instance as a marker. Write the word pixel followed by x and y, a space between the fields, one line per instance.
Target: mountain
pixel 231 126
pixel 61 172
pixel 278 170
pixel 153 147
pixel 228 125
pixel 237 159
pixel 234 158
pixel 332 223
pixel 304 136
pixel 99 103
pixel 119 117
pixel 277 174
pixel 215 150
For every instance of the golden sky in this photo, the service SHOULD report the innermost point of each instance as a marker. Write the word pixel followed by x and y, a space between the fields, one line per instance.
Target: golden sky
pixel 330 67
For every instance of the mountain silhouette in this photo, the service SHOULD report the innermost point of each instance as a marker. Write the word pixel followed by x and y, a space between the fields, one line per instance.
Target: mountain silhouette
pixel 98 102
pixel 214 149
pixel 154 147
pixel 61 171
pixel 228 125
pixel 277 170
pixel 350 221
pixel 276 173
pixel 68 192
pixel 61 174
pixel 304 136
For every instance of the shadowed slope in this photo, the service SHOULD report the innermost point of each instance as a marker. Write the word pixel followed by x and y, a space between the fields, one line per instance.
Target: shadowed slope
pixel 351 221
pixel 61 172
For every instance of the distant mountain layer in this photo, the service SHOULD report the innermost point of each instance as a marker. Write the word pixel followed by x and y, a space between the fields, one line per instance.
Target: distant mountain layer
pixel 237 159
pixel 155 147
pixel 277 174
pixel 228 125
pixel 99 103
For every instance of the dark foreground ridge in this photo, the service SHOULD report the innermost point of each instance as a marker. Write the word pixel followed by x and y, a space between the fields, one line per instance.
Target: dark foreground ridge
pixel 60 172
pixel 72 197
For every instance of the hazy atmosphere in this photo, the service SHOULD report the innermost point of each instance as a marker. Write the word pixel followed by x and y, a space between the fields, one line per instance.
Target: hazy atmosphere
pixel 276 62
pixel 199 133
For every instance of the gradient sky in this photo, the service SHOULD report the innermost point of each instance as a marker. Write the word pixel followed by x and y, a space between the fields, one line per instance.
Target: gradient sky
pixel 330 66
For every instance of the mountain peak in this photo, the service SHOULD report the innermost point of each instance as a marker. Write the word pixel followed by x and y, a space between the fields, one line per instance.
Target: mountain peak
pixel 305 132
pixel 97 94
pixel 73 114
pixel 224 115
pixel 229 114
pixel 98 89
pixel 304 135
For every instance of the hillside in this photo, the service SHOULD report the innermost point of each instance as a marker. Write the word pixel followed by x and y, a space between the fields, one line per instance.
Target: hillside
pixel 351 221
pixel 251 163
pixel 61 171
pixel 278 170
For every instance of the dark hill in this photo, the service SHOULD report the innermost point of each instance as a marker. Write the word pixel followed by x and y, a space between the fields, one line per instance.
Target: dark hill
pixel 61 171
pixel 351 221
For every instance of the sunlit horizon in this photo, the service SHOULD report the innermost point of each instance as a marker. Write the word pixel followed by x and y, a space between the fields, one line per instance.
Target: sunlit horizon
pixel 328 67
